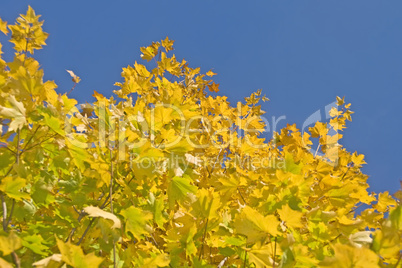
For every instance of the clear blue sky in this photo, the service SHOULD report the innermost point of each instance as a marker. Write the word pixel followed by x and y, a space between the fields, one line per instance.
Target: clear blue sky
pixel 301 53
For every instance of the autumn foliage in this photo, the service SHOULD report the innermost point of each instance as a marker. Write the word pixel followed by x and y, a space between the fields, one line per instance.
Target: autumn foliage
pixel 168 174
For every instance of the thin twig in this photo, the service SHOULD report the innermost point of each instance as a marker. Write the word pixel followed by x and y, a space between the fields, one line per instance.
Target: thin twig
pixel 6 147
pixel 316 151
pixel 17 152
pixel 8 172
pixel 354 209
pixel 30 139
pixel 345 173
pixel 86 231
pixel 71 89
pixel 16 260
pixel 3 202
pixel 203 241
pixel 70 236
pixel 39 143
pixel 82 214
pixel 242 196
pixel 26 47
pixel 273 265
pixel 11 212
pixel 76 210
pixel 245 258
pixel 111 203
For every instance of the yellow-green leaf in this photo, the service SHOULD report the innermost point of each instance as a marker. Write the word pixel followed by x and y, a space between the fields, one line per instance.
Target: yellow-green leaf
pixel 136 221
pixel 255 226
pixel 9 243
pixel 15 110
pixel 179 188
pixel 97 212
pixel 12 187
pixel 74 256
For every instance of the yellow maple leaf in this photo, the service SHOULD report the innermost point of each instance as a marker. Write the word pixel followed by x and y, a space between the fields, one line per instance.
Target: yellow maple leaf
pixel 340 101
pixel 348 256
pixel 385 201
pixel 292 218
pixel 254 225
pixel 167 44
pixel 3 26
pixel 210 73
pixel 334 112
pixel 358 159
pixel 73 255
pixel 75 78
pixel 148 53
pixel 31 17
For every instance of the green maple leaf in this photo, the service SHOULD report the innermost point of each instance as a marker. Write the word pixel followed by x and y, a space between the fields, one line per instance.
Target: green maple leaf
pixel 179 188
pixel 136 221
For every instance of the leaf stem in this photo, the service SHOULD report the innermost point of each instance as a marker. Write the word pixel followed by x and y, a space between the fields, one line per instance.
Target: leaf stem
pixel 245 259
pixel 273 265
pixel 203 240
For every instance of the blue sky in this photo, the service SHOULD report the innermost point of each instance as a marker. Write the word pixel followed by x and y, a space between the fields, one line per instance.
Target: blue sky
pixel 302 54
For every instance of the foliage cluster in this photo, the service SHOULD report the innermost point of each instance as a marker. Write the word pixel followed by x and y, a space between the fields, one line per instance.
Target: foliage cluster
pixel 170 175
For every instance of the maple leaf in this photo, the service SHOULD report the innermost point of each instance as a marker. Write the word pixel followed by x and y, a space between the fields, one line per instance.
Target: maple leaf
pixel 97 212
pixel 210 73
pixel 167 44
pixel 9 243
pixel 179 188
pixel 150 52
pixel 213 87
pixel 385 201
pixel 136 221
pixel 292 218
pixel 76 79
pixel 14 110
pixel 74 256
pixel 255 226
pixel 207 204
pixel 53 260
pixel 348 256
pixel 340 101
pixel 13 186
pixel 3 26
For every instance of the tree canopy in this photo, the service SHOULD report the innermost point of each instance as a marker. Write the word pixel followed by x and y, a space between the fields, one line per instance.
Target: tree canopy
pixel 167 174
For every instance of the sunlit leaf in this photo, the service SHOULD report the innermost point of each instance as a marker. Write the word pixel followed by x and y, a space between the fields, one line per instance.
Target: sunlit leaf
pixel 97 212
